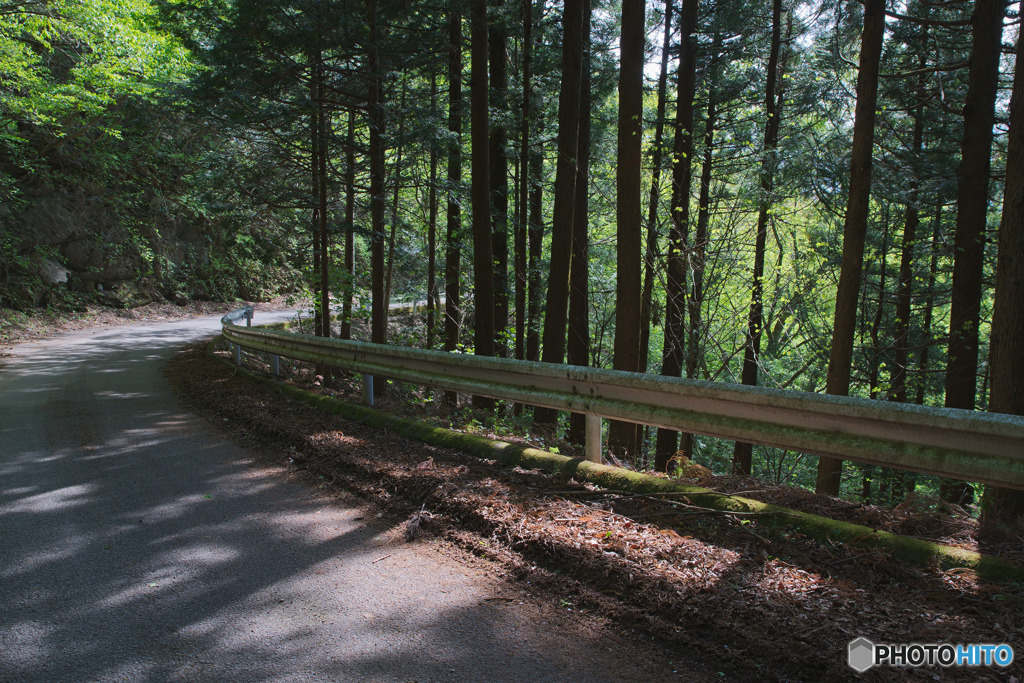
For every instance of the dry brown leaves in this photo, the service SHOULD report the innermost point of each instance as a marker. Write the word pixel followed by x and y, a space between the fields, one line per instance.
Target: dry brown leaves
pixel 765 600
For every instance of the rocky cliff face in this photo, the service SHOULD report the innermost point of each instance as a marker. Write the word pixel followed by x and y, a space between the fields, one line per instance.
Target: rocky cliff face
pixel 71 238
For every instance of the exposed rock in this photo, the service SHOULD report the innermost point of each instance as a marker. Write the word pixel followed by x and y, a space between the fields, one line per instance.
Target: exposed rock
pixel 52 272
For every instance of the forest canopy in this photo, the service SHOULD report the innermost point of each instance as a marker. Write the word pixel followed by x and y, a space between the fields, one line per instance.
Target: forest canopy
pixel 821 196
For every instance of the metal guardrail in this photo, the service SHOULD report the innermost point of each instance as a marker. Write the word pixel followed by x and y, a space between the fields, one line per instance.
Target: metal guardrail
pixel 968 445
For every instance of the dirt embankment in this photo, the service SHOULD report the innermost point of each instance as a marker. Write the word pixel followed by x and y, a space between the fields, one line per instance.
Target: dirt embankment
pixel 761 600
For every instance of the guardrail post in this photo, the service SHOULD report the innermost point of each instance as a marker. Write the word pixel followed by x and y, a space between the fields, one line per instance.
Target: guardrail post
pixel 238 354
pixel 248 315
pixel 275 364
pixel 368 389
pixel 593 438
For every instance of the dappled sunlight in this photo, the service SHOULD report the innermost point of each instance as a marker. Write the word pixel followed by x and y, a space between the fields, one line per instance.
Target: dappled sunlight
pixel 141 546
pixel 123 396
pixel 171 510
pixel 50 501
pixel 26 642
pixel 20 491
pixel 31 562
pixel 139 549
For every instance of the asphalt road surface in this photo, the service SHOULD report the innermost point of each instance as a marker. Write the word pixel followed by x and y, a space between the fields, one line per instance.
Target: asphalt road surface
pixel 138 544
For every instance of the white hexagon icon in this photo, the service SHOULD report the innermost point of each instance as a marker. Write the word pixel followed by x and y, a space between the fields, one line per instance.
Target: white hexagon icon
pixel 860 655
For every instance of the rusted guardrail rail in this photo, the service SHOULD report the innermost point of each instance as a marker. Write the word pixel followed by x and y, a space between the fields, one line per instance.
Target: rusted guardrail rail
pixel 968 445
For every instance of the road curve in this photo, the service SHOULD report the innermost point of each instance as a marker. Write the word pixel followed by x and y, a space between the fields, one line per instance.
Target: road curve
pixel 137 544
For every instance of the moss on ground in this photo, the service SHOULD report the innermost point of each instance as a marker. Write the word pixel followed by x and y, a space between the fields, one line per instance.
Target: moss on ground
pixel 913 551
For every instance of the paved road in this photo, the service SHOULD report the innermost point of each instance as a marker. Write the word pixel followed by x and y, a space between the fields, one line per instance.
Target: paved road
pixel 136 544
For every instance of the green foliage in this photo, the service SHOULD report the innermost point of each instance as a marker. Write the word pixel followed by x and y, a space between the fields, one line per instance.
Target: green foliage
pixel 188 124
pixel 66 63
pixel 93 126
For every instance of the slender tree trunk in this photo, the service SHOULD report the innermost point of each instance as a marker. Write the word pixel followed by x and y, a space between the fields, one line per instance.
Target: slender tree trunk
pixel 855 229
pixel 350 217
pixel 323 137
pixel 519 261
pixel 432 230
pixel 578 345
pixel 876 322
pixel 314 196
pixel 498 49
pixel 650 251
pixel 929 307
pixel 535 244
pixel 522 224
pixel 905 293
pixel 523 198
pixel 675 288
pixel 375 112
pixel 742 457
pixel 388 291
pixel 321 305
pixel 869 473
pixel 972 207
pixel 453 231
pixel 483 271
pixel 556 314
pixel 700 240
pixel 1000 504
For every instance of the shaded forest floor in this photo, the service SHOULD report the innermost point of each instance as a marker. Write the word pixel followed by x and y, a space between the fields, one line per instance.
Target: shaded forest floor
pixel 759 599
pixel 917 515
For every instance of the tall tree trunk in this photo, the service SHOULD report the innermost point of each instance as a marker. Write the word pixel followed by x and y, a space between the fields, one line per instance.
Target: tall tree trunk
pixel 657 156
pixel 314 196
pixel 578 345
pixel 432 229
pixel 323 137
pixel 453 230
pixel 556 315
pixel 742 456
pixel 911 221
pixel 350 217
pixel 675 287
pixel 972 207
pixel 498 49
pixel 318 185
pixel 876 322
pixel 622 436
pixel 535 244
pixel 375 114
pixel 523 202
pixel 929 307
pixel 1000 504
pixel 523 166
pixel 388 291
pixel 700 239
pixel 855 229
pixel 483 271
pixel 869 473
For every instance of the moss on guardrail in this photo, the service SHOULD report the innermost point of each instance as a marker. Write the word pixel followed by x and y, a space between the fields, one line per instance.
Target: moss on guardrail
pixel 914 551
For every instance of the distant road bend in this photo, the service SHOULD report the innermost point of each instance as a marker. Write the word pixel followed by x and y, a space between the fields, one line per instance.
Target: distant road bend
pixel 137 544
